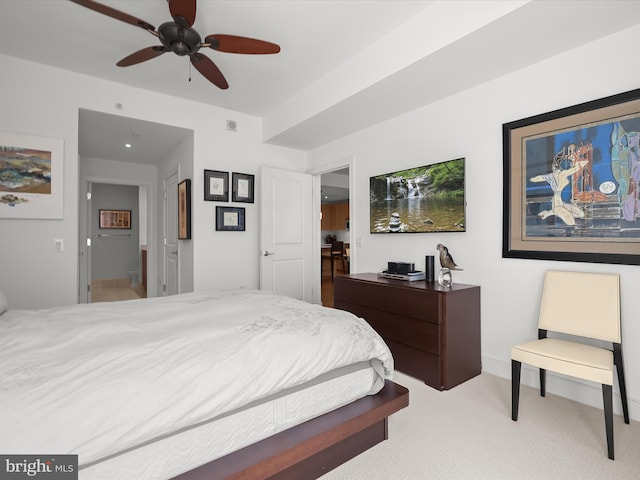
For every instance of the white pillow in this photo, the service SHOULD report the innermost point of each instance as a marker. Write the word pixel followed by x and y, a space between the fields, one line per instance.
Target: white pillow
pixel 3 303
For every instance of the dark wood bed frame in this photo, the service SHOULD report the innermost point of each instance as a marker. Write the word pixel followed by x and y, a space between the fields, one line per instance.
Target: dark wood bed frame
pixel 312 448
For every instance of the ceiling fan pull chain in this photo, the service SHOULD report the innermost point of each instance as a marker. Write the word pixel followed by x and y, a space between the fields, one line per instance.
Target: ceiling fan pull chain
pixel 189 71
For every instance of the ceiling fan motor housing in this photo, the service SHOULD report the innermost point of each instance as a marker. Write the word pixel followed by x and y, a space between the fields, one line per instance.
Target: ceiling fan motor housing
pixel 181 40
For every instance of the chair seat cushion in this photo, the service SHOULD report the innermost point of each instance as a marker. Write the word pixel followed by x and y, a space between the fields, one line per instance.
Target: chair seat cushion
pixel 569 358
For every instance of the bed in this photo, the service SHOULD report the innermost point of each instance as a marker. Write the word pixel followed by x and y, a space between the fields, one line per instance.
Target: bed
pixel 225 384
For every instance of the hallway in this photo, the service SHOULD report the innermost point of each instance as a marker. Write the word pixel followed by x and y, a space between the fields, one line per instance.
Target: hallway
pixel 116 289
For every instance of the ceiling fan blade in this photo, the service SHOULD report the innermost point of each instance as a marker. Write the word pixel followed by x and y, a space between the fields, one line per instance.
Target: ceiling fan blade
pixel 141 56
pixel 185 9
pixel 209 70
pixel 235 44
pixel 117 14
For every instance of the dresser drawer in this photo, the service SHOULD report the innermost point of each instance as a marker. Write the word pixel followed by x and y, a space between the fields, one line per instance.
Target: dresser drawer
pixel 398 328
pixel 418 364
pixel 396 300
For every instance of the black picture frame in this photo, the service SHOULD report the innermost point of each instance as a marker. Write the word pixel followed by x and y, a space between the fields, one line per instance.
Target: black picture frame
pixel 216 186
pixel 114 219
pixel 570 186
pixel 242 187
pixel 230 219
pixel 184 210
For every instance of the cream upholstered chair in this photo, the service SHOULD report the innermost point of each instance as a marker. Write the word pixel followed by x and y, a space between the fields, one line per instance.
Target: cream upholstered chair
pixel 581 305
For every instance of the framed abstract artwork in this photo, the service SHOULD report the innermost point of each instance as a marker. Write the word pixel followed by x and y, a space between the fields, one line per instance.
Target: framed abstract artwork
pixel 31 176
pixel 571 183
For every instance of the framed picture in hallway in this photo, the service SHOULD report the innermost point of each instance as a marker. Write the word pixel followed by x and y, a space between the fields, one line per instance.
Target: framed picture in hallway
pixel 117 219
pixel 184 210
pixel 572 183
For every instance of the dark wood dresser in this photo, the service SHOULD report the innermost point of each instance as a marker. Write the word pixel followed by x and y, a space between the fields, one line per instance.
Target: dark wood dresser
pixel 433 332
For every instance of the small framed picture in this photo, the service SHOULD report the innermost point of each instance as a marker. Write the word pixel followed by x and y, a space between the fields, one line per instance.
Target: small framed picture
pixel 216 186
pixel 242 190
pixel 115 219
pixel 230 219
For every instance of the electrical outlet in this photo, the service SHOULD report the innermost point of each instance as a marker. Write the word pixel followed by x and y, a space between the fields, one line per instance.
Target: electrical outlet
pixel 58 245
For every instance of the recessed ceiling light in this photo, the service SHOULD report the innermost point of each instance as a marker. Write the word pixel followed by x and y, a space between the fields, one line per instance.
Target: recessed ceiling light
pixel 128 145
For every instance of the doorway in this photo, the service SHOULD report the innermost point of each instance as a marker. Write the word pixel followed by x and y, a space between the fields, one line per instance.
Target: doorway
pixel 335 225
pixel 114 149
pixel 113 238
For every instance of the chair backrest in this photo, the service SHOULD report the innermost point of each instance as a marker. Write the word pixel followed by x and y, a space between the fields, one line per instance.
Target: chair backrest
pixel 584 304
pixel 337 248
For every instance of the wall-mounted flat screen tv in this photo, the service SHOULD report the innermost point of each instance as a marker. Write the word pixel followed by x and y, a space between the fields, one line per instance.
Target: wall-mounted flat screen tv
pixel 419 200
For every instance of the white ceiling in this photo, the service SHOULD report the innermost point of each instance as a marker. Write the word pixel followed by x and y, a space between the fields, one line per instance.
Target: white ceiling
pixel 344 64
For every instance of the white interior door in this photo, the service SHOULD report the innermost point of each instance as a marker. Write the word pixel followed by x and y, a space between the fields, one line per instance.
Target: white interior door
pixel 286 233
pixel 171 255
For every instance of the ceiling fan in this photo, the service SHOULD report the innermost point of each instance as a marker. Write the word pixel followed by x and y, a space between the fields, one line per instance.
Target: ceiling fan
pixel 180 38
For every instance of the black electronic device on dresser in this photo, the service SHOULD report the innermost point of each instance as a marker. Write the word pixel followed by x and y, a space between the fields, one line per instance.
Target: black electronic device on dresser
pixel 433 331
pixel 400 268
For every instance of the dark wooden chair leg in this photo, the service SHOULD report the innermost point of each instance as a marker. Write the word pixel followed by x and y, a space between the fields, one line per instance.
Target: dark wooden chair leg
pixel 607 397
pixel 543 382
pixel 617 359
pixel 515 388
pixel 332 266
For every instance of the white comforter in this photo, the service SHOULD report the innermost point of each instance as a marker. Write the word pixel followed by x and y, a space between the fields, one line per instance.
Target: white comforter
pixel 96 379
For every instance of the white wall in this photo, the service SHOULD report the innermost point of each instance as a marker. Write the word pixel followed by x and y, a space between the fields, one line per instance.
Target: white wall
pixel 44 101
pixel 470 125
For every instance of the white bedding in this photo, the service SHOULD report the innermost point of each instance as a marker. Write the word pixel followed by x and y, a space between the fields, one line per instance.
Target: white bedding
pixel 96 379
pixel 187 449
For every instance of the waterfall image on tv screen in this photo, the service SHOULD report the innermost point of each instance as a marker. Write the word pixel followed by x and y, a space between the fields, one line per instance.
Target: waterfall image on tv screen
pixel 419 200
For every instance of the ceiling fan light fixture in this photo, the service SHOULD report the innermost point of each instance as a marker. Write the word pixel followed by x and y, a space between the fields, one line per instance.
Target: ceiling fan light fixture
pixel 180 40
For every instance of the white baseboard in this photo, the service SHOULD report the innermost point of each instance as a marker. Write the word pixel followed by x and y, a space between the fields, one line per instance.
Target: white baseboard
pixel 567 387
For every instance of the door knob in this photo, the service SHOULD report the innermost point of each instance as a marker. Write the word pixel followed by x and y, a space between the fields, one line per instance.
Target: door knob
pixel 266 253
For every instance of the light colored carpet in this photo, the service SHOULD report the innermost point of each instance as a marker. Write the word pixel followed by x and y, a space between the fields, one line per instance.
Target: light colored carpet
pixel 467 433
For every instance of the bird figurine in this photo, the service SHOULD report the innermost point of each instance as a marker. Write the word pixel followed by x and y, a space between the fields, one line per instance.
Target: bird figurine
pixel 446 260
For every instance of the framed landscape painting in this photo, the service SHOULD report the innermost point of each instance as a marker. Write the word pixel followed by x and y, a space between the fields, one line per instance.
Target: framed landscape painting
pixel 31 176
pixel 571 183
